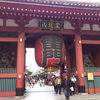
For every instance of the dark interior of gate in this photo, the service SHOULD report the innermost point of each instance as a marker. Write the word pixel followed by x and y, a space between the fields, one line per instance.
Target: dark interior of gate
pixel 31 38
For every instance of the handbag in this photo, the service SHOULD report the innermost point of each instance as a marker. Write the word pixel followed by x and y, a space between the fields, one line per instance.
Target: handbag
pixel 72 89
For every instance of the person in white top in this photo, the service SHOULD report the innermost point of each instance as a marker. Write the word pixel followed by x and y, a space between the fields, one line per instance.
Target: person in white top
pixel 73 79
pixel 43 82
pixel 58 85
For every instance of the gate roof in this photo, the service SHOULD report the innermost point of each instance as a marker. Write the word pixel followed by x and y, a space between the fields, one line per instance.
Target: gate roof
pixel 50 9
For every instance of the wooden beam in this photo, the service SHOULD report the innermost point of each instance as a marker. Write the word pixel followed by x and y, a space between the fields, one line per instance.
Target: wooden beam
pixel 94 73
pixel 90 41
pixel 8 75
pixel 8 94
pixel 29 45
pixel 71 46
pixel 36 30
pixel 68 31
pixel 90 32
pixel 9 29
pixel 5 39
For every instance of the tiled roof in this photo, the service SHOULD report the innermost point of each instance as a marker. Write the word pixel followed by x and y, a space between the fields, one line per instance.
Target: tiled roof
pixel 50 9
pixel 57 3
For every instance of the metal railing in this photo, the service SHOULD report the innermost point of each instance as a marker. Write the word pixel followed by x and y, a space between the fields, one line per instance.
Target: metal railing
pixel 7 70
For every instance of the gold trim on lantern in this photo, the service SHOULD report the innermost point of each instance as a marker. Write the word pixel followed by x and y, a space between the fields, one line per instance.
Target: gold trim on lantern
pixel 50 69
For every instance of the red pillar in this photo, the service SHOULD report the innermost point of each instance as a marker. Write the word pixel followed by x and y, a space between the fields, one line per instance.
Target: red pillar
pixel 20 65
pixel 68 61
pixel 79 63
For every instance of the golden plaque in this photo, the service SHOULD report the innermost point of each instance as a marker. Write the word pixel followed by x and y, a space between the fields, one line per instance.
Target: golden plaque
pixel 50 69
pixel 90 76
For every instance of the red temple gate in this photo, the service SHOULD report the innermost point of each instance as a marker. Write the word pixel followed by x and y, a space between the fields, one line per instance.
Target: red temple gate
pixel 19 25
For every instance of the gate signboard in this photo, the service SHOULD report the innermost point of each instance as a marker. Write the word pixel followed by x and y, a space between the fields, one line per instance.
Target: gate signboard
pixel 90 76
pixel 52 25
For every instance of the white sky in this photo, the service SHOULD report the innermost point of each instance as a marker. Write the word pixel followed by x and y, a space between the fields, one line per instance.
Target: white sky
pixel 30 59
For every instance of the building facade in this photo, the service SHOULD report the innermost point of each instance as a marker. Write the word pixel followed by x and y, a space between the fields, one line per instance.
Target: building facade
pixel 20 28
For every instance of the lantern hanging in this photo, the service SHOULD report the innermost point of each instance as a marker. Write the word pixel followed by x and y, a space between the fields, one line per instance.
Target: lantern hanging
pixel 50 52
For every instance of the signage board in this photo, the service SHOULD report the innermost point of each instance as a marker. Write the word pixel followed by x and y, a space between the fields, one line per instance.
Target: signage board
pixel 90 76
pixel 52 25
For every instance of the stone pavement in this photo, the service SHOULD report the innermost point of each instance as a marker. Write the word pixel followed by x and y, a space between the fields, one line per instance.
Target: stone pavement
pixel 47 93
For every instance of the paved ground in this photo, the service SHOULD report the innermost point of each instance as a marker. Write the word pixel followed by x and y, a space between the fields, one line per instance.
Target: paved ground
pixel 47 93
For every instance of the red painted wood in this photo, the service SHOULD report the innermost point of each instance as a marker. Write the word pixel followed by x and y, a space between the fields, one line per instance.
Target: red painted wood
pixel 36 30
pixel 8 39
pixel 9 29
pixel 65 31
pixel 94 73
pixel 73 58
pixel 90 42
pixel 68 60
pixel 6 75
pixel 91 90
pixel 47 8
pixel 44 8
pixel 7 94
pixel 20 61
pixel 4 22
pixel 79 60
pixel 86 32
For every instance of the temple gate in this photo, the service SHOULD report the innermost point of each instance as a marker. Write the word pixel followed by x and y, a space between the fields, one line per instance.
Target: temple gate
pixel 22 22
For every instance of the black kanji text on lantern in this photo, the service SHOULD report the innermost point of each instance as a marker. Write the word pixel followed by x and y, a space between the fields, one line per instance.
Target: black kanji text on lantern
pixel 52 48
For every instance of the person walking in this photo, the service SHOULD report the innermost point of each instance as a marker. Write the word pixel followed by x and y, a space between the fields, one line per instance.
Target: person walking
pixel 30 82
pixel 66 86
pixel 71 86
pixel 73 79
pixel 58 85
pixel 54 79
pixel 43 82
pixel 33 81
pixel 40 82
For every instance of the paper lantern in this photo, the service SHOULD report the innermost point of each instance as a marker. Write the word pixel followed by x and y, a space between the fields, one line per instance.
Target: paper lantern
pixel 50 52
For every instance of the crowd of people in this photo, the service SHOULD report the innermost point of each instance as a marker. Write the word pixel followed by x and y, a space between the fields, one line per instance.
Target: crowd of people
pixel 31 81
pixel 34 80
pixel 67 85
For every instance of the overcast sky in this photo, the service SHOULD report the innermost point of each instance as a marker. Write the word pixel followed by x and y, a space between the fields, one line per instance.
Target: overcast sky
pixel 30 59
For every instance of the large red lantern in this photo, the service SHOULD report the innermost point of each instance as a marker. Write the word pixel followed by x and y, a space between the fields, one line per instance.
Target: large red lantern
pixel 50 52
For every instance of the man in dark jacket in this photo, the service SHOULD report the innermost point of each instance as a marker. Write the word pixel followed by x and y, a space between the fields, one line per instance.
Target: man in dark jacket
pixel 54 79
pixel 66 85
